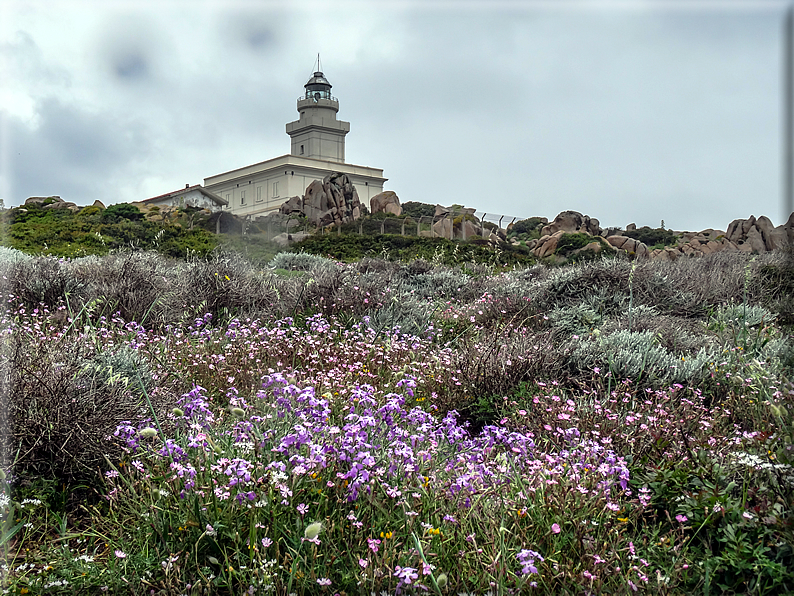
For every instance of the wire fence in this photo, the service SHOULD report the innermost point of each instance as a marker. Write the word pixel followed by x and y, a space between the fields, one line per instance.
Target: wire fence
pixel 452 226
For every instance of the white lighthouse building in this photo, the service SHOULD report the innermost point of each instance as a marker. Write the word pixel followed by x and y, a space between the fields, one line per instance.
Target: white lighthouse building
pixel 317 150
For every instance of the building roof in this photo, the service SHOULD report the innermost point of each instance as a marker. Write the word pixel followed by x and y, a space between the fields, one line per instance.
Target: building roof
pixel 318 79
pixel 288 160
pixel 198 187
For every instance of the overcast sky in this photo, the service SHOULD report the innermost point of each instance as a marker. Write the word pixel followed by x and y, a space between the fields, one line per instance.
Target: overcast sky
pixel 636 111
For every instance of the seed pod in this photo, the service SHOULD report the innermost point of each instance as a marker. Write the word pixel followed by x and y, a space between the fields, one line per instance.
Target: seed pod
pixel 313 530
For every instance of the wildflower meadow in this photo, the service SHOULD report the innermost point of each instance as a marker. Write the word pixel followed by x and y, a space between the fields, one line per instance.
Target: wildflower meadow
pixel 305 426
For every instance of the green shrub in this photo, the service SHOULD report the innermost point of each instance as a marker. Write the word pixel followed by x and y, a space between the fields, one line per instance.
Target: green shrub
pixel 90 211
pixel 656 237
pixel 60 232
pixel 570 242
pixel 416 210
pixel 527 226
pixel 352 247
pixel 121 211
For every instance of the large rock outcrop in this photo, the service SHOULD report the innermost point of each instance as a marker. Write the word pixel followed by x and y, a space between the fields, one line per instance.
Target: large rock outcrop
pixel 53 202
pixel 386 202
pixel 759 235
pixel 572 222
pixel 330 202
pixel 748 235
pixel 456 222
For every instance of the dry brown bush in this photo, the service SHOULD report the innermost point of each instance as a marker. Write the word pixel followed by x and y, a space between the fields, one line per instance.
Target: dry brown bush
pixel 64 400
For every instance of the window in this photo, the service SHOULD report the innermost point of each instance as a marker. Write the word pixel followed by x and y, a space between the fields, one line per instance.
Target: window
pixel 242 197
pixel 275 189
pixel 301 149
pixel 258 194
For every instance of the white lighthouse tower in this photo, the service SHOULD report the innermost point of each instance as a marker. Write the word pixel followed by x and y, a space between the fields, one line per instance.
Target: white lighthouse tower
pixel 317 133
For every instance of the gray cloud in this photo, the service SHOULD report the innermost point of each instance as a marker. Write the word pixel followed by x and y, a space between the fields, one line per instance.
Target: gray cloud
pixel 132 47
pixel 131 66
pixel 73 153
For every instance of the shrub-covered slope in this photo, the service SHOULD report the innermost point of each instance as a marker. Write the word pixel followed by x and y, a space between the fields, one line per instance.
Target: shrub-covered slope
pixel 211 426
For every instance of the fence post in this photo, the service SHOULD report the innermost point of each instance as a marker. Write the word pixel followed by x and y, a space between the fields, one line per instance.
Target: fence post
pixel 382 226
pixel 418 226
pixel 403 230
pixel 482 225
pixel 338 228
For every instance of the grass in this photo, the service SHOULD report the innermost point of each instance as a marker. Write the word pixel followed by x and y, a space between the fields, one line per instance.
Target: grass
pixel 402 428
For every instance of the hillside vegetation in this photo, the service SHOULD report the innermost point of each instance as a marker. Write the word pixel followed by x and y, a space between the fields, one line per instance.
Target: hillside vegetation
pixel 92 230
pixel 304 425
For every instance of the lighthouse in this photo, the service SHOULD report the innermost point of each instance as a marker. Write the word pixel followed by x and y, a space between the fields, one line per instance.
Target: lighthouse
pixel 317 150
pixel 317 133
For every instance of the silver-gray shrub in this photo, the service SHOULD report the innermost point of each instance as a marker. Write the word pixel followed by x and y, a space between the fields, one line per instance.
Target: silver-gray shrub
pixel 738 316
pixel 301 261
pixel 123 366
pixel 11 256
pixel 412 315
pixel 439 283
pixel 675 333
pixel 575 320
pixel 638 355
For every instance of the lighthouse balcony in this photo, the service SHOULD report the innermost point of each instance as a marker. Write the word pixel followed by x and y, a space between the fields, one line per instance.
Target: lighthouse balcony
pixel 322 102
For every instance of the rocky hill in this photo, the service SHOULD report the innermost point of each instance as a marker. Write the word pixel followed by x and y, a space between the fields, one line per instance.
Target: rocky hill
pixel 748 235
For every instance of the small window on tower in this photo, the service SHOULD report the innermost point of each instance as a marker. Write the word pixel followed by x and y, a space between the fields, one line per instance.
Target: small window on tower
pixel 242 197
pixel 275 189
pixel 301 149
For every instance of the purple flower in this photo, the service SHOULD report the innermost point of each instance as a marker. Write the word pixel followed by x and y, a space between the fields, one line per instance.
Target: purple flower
pixel 555 528
pixel 406 574
pixel 373 544
pixel 302 509
pixel 527 559
pixel 324 581
pixel 681 518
